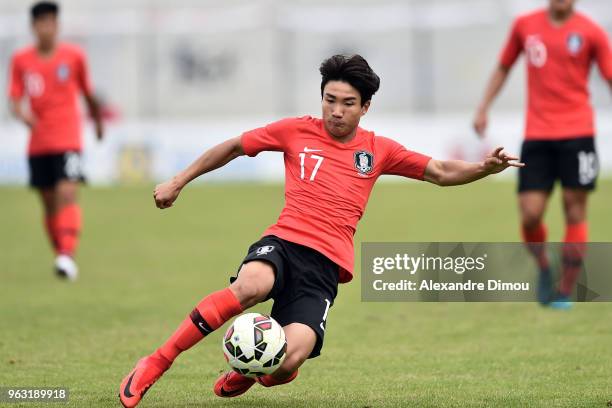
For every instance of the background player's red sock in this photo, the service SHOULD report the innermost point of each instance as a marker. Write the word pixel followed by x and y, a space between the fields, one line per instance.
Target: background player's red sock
pixel 573 252
pixel 269 381
pixel 210 314
pixel 67 228
pixel 51 231
pixel 535 240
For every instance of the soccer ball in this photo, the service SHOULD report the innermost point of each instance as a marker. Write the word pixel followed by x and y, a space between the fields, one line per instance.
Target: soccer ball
pixel 254 345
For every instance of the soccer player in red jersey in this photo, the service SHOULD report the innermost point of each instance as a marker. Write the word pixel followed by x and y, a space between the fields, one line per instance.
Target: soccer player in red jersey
pixel 560 45
pixel 331 165
pixel 50 75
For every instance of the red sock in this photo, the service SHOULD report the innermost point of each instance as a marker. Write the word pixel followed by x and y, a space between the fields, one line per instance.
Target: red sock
pixel 67 229
pixel 210 314
pixel 51 231
pixel 535 240
pixel 269 381
pixel 574 250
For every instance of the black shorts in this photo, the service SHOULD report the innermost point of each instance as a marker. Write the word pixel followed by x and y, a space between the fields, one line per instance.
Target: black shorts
pixel 573 161
pixel 305 285
pixel 47 170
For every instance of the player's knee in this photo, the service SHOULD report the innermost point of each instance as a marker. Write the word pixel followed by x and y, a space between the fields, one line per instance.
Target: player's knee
pixel 247 294
pixel 253 284
pixel 294 360
pixel 66 194
pixel 531 220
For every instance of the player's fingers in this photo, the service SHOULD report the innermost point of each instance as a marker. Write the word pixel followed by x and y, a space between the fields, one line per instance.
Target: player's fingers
pixel 496 151
pixel 516 164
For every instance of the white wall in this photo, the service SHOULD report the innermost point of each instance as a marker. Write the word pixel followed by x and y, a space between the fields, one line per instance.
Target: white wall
pixel 205 59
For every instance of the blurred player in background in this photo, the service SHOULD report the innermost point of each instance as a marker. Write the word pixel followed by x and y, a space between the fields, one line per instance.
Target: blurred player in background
pixel 331 165
pixel 51 75
pixel 560 45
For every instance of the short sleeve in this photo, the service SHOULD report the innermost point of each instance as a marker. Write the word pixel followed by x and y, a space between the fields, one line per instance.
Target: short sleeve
pixel 271 137
pixel 16 87
pixel 603 53
pixel 513 47
pixel 82 76
pixel 400 161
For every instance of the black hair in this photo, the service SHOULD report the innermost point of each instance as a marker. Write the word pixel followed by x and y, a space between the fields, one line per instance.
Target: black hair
pixel 43 8
pixel 352 69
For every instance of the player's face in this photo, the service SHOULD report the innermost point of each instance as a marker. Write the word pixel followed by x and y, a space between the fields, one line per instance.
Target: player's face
pixel 45 29
pixel 342 108
pixel 561 6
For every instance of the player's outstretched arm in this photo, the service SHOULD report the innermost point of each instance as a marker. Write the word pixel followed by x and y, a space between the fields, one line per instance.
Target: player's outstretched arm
pixel 494 85
pixel 456 172
pixel 166 193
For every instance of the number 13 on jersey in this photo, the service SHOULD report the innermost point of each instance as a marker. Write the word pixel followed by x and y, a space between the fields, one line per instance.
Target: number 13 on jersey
pixel 317 164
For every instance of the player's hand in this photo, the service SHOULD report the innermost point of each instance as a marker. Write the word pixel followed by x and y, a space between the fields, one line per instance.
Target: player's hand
pixel 480 123
pixel 29 120
pixel 498 160
pixel 166 193
pixel 99 130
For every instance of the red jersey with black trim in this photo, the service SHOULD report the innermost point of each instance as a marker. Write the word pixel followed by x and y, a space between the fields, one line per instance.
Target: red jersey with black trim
pixel 52 86
pixel 328 183
pixel 558 64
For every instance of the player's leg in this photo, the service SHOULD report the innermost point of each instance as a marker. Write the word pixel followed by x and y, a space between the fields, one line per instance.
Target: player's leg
pixel 309 284
pixel 56 176
pixel 576 235
pixel 253 284
pixel 47 198
pixel 536 181
pixel 301 341
pixel 304 318
pixel 578 166
pixel 43 181
pixel 532 205
pixel 67 224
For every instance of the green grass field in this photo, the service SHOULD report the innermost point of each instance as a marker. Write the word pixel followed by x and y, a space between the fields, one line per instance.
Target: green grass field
pixel 143 270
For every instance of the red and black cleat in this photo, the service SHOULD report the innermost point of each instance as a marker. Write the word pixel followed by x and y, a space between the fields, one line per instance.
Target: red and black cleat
pixel 232 384
pixel 140 379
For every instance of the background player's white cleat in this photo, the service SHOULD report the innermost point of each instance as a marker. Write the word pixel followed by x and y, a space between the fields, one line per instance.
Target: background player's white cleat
pixel 66 268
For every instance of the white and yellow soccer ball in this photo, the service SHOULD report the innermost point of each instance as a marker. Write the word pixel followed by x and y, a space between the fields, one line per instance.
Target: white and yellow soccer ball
pixel 254 345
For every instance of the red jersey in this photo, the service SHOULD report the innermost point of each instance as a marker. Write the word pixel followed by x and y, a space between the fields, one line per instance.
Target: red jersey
pixel 328 183
pixel 558 64
pixel 52 85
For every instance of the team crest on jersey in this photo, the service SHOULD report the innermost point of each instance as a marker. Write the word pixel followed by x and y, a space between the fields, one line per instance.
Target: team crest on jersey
pixel 574 43
pixel 264 250
pixel 364 162
pixel 63 72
